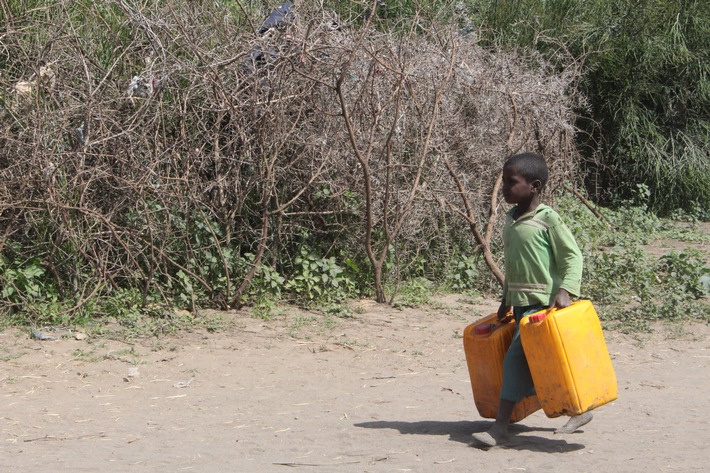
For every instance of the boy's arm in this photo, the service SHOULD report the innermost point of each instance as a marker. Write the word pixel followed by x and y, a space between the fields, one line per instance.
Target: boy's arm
pixel 503 309
pixel 569 261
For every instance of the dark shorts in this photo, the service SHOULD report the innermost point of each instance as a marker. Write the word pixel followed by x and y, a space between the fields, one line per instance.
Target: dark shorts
pixel 517 381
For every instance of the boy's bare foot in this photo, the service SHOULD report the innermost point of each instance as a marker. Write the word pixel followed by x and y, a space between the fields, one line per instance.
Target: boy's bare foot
pixel 488 439
pixel 574 423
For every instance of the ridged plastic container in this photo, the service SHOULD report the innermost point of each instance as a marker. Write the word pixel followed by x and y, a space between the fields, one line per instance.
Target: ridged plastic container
pixel 568 359
pixel 485 343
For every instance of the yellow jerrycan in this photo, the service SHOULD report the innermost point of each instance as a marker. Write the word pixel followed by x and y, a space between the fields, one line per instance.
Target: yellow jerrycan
pixel 568 359
pixel 485 343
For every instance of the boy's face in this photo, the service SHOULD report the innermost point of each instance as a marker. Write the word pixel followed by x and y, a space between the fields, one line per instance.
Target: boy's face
pixel 516 189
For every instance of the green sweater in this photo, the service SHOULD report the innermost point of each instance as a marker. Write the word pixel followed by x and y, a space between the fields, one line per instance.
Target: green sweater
pixel 541 256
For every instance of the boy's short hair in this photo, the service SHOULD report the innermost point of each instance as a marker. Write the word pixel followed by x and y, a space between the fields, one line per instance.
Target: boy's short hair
pixel 531 166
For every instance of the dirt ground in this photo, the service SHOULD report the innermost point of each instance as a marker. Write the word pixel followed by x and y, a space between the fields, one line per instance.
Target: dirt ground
pixel 386 390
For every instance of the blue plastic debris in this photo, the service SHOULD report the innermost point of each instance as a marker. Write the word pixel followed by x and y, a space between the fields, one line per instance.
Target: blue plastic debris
pixel 278 18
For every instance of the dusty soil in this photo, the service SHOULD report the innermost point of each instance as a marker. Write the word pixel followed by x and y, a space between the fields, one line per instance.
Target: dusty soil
pixel 384 391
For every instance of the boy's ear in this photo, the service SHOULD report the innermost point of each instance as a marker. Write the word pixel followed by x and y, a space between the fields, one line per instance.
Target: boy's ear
pixel 536 185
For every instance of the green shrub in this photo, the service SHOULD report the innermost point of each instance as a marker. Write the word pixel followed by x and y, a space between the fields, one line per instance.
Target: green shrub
pixel 413 293
pixel 647 82
pixel 318 280
pixel 685 273
pixel 630 287
pixel 464 274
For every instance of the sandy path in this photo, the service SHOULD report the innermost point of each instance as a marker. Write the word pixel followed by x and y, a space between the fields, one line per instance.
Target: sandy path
pixel 386 391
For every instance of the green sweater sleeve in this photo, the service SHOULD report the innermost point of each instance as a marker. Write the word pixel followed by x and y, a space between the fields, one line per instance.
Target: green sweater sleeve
pixel 568 256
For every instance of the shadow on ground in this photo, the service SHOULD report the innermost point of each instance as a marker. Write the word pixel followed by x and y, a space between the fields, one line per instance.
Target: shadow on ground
pixel 460 431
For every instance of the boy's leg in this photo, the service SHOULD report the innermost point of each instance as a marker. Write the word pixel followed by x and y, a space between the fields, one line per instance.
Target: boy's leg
pixel 574 423
pixel 499 431
pixel 517 384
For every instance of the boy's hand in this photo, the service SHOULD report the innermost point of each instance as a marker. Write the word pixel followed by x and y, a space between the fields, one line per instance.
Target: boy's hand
pixel 562 300
pixel 503 311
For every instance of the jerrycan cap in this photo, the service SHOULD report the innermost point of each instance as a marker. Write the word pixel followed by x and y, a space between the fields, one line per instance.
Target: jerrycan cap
pixel 483 329
pixel 537 317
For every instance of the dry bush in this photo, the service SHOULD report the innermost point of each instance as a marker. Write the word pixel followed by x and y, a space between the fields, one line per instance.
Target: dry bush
pixel 175 149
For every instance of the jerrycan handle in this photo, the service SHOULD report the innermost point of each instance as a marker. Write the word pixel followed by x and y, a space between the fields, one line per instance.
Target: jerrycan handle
pixel 487 329
pixel 508 317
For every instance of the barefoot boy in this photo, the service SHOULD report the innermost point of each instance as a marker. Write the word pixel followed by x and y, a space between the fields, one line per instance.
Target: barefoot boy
pixel 543 268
